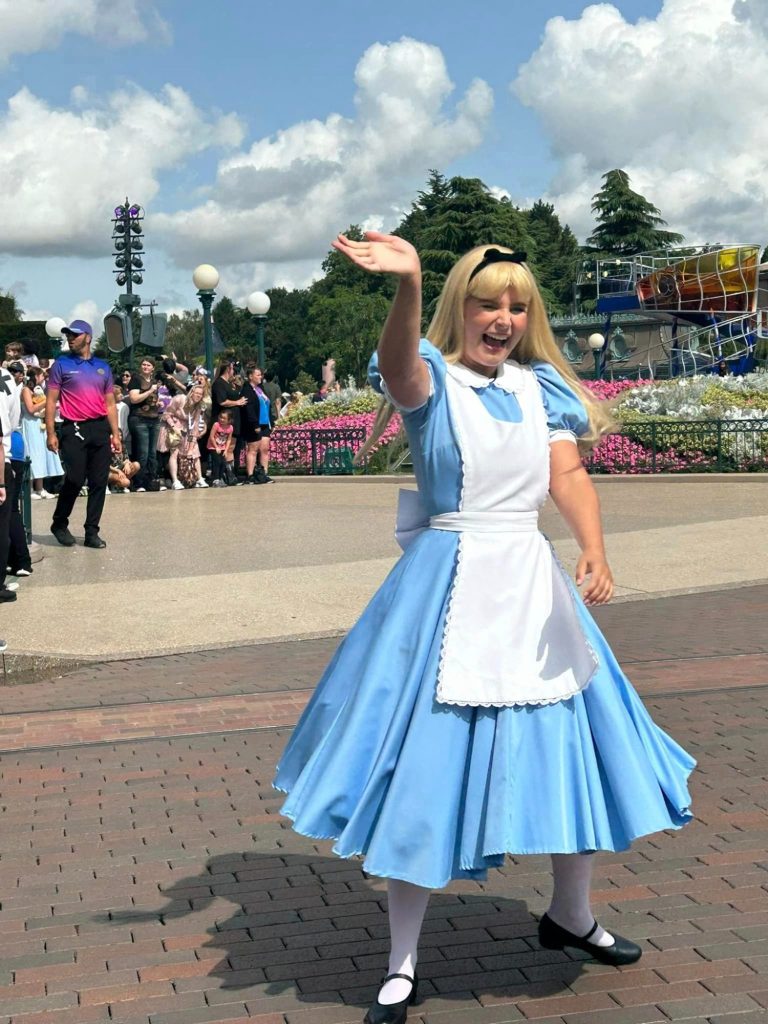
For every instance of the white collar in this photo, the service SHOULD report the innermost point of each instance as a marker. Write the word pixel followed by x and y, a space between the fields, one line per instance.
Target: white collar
pixel 510 377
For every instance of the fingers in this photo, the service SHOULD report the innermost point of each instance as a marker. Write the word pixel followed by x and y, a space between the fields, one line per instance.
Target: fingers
pixel 599 590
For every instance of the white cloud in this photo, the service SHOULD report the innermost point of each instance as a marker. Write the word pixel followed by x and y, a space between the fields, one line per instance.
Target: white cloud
pixel 677 101
pixel 36 25
pixel 64 170
pixel 289 194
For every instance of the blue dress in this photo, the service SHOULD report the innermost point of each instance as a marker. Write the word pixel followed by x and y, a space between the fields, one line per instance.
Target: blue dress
pixel 428 791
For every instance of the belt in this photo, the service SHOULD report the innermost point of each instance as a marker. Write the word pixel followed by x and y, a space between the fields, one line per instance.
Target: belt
pixel 486 522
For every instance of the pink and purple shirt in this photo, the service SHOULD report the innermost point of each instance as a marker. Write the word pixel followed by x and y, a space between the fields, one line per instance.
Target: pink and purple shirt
pixel 82 385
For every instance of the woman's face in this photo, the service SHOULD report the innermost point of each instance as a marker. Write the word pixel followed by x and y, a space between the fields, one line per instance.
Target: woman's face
pixel 146 367
pixel 126 376
pixel 492 329
pixel 256 377
pixel 196 394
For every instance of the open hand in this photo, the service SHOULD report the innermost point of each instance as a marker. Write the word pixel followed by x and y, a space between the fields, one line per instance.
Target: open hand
pixel 380 254
pixel 599 589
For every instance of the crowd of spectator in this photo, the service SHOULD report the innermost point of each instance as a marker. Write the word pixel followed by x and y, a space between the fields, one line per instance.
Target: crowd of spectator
pixel 178 427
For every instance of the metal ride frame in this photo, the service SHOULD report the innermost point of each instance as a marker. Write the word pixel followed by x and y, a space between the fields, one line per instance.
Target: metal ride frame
pixel 711 303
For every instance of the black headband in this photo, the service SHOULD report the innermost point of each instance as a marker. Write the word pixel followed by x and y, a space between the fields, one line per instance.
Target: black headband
pixel 496 256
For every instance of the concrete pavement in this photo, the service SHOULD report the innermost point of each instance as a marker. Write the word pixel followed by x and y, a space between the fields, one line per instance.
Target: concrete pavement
pixel 196 570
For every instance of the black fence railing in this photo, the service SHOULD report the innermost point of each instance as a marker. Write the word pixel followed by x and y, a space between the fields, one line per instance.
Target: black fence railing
pixel 684 446
pixel 314 451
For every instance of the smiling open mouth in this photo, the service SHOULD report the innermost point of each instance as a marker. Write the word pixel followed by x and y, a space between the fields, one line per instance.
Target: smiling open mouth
pixel 495 343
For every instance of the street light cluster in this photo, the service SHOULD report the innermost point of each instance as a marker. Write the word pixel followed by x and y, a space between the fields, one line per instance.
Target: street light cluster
pixel 128 244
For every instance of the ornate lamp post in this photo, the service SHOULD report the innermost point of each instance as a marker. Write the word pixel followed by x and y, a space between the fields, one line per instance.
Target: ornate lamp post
pixel 597 342
pixel 205 278
pixel 258 306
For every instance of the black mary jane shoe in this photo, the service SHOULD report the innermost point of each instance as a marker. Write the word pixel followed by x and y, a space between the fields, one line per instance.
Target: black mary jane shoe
pixel 621 951
pixel 393 1013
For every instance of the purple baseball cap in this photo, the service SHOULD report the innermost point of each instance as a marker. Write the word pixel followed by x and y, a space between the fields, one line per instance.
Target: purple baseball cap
pixel 78 327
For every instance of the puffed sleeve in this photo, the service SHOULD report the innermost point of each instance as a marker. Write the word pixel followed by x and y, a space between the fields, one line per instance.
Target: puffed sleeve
pixel 566 416
pixel 436 366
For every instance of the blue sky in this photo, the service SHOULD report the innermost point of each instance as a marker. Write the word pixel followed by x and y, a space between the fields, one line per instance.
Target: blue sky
pixel 225 118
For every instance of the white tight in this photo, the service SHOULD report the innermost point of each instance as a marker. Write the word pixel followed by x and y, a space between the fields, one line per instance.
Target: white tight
pixel 407 905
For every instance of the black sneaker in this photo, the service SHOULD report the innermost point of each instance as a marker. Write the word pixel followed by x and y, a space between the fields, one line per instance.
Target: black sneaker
pixel 62 535
pixel 94 541
pixel 7 595
pixel 24 571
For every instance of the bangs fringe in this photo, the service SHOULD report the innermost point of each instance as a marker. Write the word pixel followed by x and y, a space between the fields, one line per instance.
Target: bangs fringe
pixel 494 279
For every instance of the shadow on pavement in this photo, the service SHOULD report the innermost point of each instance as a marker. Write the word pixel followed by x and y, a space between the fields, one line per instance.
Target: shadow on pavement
pixel 316 927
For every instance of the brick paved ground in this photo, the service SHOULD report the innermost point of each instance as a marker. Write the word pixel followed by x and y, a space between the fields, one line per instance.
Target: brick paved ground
pixel 151 881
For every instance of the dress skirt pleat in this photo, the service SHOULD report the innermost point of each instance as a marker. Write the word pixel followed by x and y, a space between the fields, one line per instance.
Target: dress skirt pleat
pixel 427 792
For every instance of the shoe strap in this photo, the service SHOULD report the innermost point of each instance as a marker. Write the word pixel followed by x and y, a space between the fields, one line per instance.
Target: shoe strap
pixel 405 977
pixel 591 932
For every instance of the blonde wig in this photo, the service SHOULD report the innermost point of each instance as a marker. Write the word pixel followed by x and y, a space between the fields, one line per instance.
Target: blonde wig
pixel 446 332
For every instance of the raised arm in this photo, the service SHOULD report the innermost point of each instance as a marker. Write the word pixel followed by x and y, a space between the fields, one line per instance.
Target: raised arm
pixel 405 374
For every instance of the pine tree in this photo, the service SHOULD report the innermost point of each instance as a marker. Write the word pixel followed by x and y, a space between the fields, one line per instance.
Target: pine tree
pixel 556 254
pixel 627 223
pixel 453 217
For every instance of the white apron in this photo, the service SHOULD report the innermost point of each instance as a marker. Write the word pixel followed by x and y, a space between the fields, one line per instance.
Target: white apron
pixel 511 635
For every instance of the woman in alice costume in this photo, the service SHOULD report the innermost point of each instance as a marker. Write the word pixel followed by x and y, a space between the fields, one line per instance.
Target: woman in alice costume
pixel 475 709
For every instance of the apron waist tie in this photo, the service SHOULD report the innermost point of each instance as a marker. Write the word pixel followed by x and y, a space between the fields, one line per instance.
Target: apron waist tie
pixel 486 522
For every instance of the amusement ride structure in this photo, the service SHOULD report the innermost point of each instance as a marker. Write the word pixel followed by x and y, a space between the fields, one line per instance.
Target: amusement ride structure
pixel 711 304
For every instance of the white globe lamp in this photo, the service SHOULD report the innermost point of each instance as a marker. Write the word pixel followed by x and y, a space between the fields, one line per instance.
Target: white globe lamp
pixel 205 277
pixel 258 303
pixel 258 306
pixel 55 326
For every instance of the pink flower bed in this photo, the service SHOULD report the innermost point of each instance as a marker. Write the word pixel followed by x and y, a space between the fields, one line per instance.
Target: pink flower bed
pixel 292 448
pixel 619 455
pixel 607 389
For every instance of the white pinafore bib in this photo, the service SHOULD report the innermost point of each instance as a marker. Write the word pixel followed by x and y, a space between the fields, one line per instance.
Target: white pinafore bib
pixel 511 634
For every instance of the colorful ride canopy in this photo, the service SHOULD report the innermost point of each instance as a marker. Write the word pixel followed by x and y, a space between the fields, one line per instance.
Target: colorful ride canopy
pixel 721 281
pixel 714 280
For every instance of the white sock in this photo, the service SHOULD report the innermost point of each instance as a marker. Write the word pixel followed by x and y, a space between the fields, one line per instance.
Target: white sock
pixel 407 905
pixel 570 906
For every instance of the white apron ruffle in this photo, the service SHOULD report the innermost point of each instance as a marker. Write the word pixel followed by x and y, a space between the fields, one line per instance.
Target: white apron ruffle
pixel 512 635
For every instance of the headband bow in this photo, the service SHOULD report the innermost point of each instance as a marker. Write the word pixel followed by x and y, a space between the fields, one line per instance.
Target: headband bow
pixel 496 256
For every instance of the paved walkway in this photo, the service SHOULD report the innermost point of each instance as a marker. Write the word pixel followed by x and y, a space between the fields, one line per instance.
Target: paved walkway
pixel 199 570
pixel 147 878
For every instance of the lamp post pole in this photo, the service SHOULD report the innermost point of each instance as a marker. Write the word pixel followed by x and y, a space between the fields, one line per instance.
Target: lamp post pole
pixel 260 323
pixel 597 342
pixel 205 278
pixel 258 304
pixel 206 300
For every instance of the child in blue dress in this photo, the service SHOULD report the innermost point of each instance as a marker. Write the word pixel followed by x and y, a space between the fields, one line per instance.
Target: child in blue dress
pixel 475 709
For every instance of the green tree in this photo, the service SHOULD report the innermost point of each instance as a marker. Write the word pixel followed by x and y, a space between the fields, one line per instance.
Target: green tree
pixel 346 326
pixel 230 323
pixel 10 311
pixel 453 217
pixel 285 333
pixel 556 255
pixel 184 335
pixel 627 223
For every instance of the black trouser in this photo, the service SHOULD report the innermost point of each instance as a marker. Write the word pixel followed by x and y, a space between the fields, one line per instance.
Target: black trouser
pixel 218 464
pixel 18 553
pixel 13 548
pixel 86 453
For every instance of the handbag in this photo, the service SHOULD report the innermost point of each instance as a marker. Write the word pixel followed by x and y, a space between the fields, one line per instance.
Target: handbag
pixel 187 471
